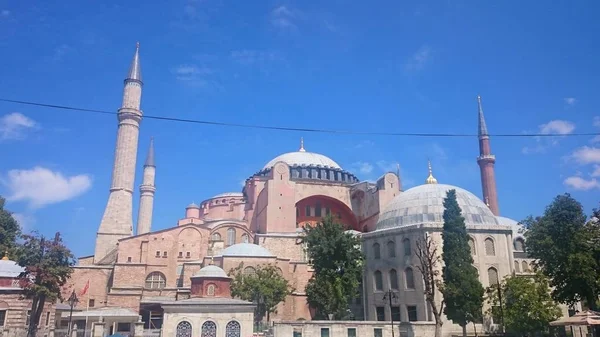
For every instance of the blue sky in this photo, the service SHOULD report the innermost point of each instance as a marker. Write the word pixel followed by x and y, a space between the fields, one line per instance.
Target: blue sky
pixel 388 66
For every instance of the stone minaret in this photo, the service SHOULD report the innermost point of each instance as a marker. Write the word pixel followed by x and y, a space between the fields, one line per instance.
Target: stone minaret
pixel 147 190
pixel 117 222
pixel 486 161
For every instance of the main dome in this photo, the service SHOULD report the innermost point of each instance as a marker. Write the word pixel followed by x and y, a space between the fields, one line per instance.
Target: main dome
pixel 424 204
pixel 301 157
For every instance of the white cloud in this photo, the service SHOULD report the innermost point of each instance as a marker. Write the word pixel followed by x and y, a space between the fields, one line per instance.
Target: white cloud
pixel 579 183
pixel 419 59
pixel 558 127
pixel 14 126
pixel 41 186
pixel 570 101
pixel 587 155
pixel 596 121
pixel 596 172
pixel 250 57
pixel 387 166
pixel 283 18
pixel 188 70
pixel 363 167
pixel 26 221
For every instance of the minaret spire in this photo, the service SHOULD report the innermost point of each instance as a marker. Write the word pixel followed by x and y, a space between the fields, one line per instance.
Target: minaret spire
pixel 486 161
pixel 301 145
pixel 117 221
pixel 147 190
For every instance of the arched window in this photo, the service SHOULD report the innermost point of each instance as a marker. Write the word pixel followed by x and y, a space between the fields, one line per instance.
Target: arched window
pixel 209 329
pixel 493 276
pixel 393 279
pixel 410 278
pixel 231 236
pixel 155 280
pixel 517 267
pixel 249 271
pixel 378 280
pixel 210 290
pixel 519 245
pixel 490 250
pixel 232 329
pixel 391 247
pixel 472 246
pixel 184 329
pixel 525 267
pixel 407 249
pixel 216 237
pixel 245 238
pixel 376 251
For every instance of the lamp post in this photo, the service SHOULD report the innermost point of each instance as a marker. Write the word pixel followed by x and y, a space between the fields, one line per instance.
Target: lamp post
pixel 73 300
pixel 389 295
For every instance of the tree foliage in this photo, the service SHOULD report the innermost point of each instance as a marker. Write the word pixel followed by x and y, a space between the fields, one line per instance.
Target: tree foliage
pixel 337 260
pixel 463 293
pixel 527 305
pixel 266 287
pixel 48 265
pixel 9 230
pixel 429 263
pixel 567 252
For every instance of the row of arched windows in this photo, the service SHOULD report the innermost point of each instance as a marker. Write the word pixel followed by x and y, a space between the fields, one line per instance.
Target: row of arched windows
pixel 391 249
pixel 489 246
pixel 231 237
pixel 522 267
pixel 409 279
pixel 209 329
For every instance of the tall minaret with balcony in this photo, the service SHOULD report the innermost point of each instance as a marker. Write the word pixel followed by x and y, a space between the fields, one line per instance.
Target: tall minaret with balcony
pixel 117 221
pixel 486 161
pixel 147 189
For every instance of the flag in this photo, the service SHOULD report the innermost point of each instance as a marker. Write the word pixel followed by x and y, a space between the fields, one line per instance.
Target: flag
pixel 85 289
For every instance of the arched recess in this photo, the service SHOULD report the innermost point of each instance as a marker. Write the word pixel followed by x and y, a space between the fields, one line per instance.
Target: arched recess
pixel 312 209
pixel 220 230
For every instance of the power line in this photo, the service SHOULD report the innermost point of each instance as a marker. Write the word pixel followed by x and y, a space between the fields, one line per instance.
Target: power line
pixel 283 128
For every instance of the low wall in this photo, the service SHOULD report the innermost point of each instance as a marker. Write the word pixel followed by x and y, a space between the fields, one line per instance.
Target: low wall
pixel 344 328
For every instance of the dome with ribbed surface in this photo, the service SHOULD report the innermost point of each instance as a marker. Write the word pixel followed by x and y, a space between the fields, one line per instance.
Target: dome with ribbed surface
pixel 247 250
pixel 300 158
pixel 211 271
pixel 517 228
pixel 424 204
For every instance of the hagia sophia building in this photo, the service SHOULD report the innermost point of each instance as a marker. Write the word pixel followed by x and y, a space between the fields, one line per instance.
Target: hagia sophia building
pixel 142 270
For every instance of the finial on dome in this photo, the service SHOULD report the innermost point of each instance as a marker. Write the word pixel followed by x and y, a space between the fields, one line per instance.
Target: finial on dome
pixel 5 258
pixel 302 145
pixel 430 179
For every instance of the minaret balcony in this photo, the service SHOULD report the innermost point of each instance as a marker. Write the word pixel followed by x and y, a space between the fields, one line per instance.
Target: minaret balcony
pixel 487 157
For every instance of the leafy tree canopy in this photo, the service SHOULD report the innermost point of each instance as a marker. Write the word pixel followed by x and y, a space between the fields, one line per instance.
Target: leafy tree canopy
pixel 566 249
pixel 338 262
pixel 48 265
pixel 463 293
pixel 527 305
pixel 266 287
pixel 9 230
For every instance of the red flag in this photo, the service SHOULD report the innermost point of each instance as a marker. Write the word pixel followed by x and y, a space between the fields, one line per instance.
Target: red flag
pixel 85 289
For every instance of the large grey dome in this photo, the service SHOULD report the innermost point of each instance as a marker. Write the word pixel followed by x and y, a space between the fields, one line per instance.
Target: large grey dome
pixel 424 204
pixel 301 158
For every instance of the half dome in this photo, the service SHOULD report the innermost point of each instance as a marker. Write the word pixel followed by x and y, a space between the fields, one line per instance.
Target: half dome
pixel 424 204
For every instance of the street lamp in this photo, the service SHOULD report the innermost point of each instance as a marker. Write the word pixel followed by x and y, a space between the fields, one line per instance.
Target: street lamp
pixel 389 295
pixel 73 300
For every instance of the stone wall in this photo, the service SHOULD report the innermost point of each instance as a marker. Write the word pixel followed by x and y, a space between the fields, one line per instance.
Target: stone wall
pixel 361 328
pixel 221 319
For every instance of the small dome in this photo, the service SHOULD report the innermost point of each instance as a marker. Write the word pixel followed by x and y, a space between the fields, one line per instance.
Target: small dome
pixel 247 250
pixel 211 271
pixel 192 205
pixel 10 268
pixel 424 204
pixel 228 194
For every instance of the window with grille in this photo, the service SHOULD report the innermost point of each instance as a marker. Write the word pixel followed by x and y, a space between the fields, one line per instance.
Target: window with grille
pixel 472 246
pixel 155 280
pixel 210 290
pixel 184 329
pixel 393 279
pixel 231 236
pixel 249 271
pixel 376 251
pixel 233 329
pixel 493 276
pixel 391 247
pixel 216 237
pixel 378 280
pixel 91 302
pixel 209 329
pixel 407 249
pixel 410 278
pixel 2 317
pixel 490 249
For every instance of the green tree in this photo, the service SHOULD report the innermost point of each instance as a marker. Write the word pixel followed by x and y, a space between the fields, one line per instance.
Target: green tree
pixel 566 251
pixel 265 287
pixel 527 305
pixel 337 260
pixel 9 230
pixel 48 265
pixel 463 293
